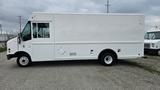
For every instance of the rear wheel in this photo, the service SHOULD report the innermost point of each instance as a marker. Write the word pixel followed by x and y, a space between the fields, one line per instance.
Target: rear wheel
pixel 107 59
pixel 23 60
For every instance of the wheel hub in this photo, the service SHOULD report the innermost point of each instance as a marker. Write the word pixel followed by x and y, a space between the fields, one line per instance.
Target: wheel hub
pixel 108 59
pixel 24 60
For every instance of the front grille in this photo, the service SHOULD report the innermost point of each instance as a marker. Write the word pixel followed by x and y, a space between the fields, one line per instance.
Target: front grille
pixel 147 45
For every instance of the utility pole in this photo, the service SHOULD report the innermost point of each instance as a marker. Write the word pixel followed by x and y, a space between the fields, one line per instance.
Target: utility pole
pixel 20 23
pixel 1 28
pixel 107 5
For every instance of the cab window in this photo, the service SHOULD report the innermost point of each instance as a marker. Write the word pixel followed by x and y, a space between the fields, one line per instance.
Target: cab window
pixel 41 30
pixel 26 33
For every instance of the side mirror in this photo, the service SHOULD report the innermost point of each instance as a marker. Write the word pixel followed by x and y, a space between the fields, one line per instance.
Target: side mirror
pixel 19 38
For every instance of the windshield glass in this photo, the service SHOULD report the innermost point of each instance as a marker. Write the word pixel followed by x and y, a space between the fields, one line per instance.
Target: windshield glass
pixel 26 33
pixel 152 35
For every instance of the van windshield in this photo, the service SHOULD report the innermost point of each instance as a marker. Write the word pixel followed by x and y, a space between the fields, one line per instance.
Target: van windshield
pixel 152 35
pixel 26 33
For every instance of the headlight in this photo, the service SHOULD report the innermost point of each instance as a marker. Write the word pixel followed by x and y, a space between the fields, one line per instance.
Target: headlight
pixel 152 44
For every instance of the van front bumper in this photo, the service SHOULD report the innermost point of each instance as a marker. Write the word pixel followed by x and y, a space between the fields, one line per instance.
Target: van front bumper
pixel 151 51
pixel 9 56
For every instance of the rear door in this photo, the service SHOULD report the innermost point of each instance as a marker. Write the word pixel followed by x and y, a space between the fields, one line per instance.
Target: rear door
pixel 43 42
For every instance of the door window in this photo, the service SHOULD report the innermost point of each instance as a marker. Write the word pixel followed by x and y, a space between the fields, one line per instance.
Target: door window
pixel 41 30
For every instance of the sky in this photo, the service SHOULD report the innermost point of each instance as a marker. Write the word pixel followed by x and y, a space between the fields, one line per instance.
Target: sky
pixel 11 9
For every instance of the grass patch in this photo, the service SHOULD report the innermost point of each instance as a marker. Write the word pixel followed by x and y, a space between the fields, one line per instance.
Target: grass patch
pixel 3 49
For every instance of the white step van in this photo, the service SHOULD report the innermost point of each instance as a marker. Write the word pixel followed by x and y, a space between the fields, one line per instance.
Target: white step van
pixel 55 37
pixel 152 42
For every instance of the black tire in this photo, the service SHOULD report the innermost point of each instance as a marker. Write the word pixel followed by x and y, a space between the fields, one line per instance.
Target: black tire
pixel 107 59
pixel 23 60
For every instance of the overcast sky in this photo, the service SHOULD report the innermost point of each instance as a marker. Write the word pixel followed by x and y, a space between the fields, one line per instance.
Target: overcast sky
pixel 11 9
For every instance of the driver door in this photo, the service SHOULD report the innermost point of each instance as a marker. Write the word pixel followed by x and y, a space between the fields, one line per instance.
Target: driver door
pixel 25 44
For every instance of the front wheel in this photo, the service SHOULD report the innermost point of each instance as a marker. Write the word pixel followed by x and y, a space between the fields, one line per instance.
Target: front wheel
pixel 23 60
pixel 108 59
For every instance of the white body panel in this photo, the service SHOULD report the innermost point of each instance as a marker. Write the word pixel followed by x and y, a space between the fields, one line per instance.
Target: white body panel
pixel 84 36
pixel 13 45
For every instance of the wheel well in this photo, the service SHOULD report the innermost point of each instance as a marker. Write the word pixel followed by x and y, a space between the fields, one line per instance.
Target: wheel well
pixel 17 54
pixel 107 51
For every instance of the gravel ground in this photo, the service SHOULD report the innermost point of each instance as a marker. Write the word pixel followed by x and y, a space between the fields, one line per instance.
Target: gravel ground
pixel 134 74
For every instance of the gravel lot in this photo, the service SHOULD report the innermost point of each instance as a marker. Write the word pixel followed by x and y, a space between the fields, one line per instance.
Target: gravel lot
pixel 139 74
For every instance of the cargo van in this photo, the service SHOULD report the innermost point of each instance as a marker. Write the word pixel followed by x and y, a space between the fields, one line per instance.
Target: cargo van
pixel 152 42
pixel 56 37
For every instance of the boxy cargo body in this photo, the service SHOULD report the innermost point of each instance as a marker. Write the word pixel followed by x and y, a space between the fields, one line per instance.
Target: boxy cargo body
pixel 55 37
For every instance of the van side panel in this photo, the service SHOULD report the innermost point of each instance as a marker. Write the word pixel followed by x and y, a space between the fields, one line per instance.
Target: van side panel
pixel 85 36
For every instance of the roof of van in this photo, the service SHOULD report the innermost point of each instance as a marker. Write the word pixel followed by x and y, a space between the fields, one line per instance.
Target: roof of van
pixel 43 16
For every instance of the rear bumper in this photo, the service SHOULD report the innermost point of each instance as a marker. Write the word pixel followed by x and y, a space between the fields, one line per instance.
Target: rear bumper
pixel 9 56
